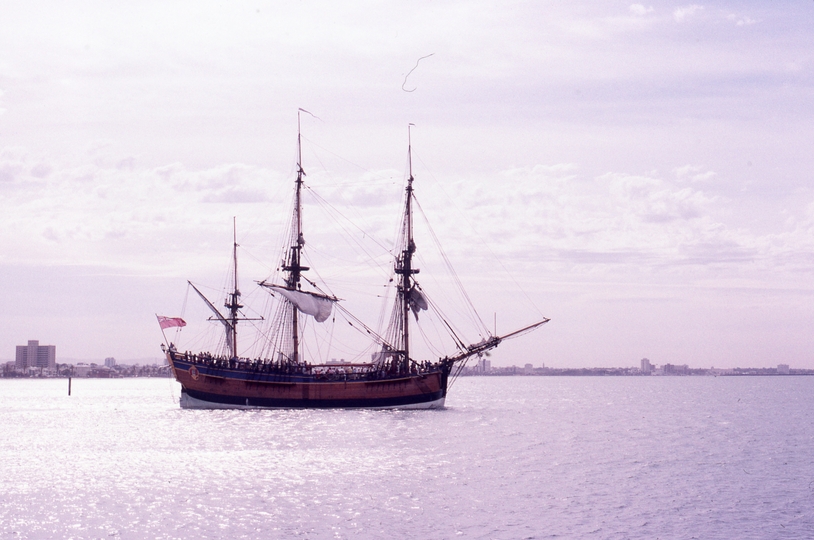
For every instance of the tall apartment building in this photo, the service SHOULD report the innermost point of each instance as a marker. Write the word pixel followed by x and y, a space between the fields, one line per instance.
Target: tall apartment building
pixel 36 355
pixel 647 367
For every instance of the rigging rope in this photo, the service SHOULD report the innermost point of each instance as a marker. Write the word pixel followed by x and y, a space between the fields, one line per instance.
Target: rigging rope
pixel 480 237
pixel 477 319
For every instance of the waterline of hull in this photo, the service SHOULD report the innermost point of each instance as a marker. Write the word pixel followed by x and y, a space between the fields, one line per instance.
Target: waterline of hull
pixel 189 402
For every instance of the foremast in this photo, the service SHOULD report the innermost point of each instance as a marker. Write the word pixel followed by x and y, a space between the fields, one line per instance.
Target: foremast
pixel 404 265
pixel 409 297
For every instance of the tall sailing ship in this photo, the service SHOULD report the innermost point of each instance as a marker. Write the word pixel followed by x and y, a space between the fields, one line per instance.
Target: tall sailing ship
pixel 285 378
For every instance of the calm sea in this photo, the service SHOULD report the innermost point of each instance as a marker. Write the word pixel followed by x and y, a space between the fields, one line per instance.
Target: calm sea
pixel 511 457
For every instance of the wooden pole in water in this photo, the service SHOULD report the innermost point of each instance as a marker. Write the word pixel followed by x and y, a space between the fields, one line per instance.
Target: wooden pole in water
pixel 69 386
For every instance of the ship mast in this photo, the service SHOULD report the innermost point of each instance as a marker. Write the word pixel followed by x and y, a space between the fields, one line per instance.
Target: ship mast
pixel 404 264
pixel 293 266
pixel 232 303
pixel 233 299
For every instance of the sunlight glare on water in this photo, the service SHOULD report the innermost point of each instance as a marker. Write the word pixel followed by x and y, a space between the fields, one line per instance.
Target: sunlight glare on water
pixel 511 457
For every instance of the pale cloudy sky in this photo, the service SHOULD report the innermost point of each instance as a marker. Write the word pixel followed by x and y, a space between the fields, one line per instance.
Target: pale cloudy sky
pixel 640 173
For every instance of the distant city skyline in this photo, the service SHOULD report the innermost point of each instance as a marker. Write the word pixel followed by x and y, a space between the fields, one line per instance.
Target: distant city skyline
pixel 484 364
pixel 640 173
pixel 34 355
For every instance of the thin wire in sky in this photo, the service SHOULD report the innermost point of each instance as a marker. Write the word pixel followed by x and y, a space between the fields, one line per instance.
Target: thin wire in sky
pixel 414 68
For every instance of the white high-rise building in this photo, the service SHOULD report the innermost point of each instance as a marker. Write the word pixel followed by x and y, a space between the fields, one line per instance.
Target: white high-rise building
pixel 36 355
pixel 647 367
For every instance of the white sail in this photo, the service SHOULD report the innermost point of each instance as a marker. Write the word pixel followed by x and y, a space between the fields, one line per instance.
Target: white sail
pixel 418 301
pixel 319 307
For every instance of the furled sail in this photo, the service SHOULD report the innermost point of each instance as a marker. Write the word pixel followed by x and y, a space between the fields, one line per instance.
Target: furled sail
pixel 418 301
pixel 319 307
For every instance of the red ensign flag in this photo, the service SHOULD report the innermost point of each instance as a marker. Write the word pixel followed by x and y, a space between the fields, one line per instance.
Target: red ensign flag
pixel 169 322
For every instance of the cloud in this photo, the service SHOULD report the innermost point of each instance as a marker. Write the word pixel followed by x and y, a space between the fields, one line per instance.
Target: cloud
pixel 41 170
pixel 171 218
pixel 691 173
pixel 684 13
pixel 642 123
pixel 556 215
pixel 741 20
pixel 9 172
pixel 640 10
pixel 130 218
pixel 51 234
pixel 236 195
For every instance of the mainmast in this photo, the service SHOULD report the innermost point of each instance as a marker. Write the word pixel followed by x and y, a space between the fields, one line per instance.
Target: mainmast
pixel 404 264
pixel 293 266
pixel 233 299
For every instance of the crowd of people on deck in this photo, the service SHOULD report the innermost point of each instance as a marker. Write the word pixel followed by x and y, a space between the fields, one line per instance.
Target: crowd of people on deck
pixel 320 372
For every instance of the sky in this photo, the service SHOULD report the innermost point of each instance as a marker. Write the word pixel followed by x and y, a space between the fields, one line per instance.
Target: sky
pixel 641 173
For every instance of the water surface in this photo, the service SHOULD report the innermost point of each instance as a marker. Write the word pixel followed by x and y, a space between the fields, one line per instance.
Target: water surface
pixel 511 457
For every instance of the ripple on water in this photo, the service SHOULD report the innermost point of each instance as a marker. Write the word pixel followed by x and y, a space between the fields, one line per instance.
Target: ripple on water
pixel 513 457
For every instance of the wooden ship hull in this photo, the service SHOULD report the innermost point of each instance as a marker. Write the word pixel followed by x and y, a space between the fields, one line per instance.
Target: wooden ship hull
pixel 223 387
pixel 284 377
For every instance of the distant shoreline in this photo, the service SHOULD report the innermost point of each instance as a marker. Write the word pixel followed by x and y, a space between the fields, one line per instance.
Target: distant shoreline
pixel 598 373
pixel 586 372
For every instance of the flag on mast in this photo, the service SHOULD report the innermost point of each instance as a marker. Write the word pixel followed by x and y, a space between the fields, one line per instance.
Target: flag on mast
pixel 169 322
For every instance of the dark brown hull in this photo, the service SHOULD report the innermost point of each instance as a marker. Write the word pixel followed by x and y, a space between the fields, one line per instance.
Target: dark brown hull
pixel 205 387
